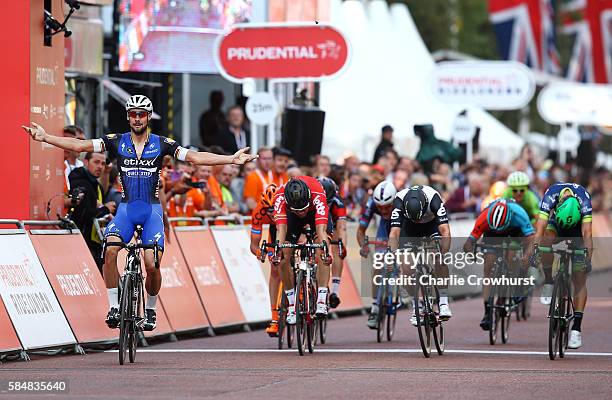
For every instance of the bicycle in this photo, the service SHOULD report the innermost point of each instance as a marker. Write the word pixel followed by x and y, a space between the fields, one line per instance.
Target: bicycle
pixel 387 297
pixel 305 289
pixel 427 301
pixel 500 297
pixel 561 310
pixel 132 304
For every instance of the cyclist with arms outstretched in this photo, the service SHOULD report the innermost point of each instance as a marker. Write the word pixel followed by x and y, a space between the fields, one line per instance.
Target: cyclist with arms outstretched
pixel 139 155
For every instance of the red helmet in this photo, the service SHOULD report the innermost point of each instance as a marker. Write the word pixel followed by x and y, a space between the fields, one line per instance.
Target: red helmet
pixel 498 216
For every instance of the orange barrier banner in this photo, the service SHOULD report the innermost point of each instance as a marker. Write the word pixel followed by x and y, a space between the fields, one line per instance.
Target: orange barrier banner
pixel 349 294
pixel 210 276
pixel 178 293
pixel 8 338
pixel 28 296
pixel 77 283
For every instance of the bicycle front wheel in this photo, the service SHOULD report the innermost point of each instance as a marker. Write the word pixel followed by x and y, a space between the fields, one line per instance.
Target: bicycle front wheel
pixel 505 317
pixel 125 325
pixel 137 315
pixel 555 315
pixel 311 321
pixel 422 310
pixel 301 309
pixel 282 326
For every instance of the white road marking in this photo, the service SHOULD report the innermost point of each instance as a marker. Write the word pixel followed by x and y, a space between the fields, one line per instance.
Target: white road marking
pixel 382 351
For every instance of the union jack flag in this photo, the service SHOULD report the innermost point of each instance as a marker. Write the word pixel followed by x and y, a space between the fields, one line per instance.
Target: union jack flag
pixel 590 24
pixel 525 32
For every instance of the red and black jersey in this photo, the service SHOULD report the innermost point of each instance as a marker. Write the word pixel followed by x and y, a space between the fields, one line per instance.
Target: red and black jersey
pixel 318 202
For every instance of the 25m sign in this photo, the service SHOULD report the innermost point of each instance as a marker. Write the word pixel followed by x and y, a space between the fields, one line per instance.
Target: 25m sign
pixel 282 52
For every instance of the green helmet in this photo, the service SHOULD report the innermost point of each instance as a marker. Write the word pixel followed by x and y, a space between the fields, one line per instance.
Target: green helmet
pixel 567 213
pixel 518 178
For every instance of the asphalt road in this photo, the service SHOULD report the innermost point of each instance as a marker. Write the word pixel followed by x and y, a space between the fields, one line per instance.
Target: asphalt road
pixel 352 364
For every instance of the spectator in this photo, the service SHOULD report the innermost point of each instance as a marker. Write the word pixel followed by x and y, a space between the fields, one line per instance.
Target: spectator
pixel 265 174
pixel 234 136
pixel 442 180
pixel 354 195
pixel 115 191
pixel 91 206
pixel 71 158
pixel 224 176
pixel 386 142
pixel 293 171
pixel 392 158
pixel 400 180
pixel 377 175
pixel 469 197
pixel 196 202
pixel 238 181
pixel 351 164
pixel 322 166
pixel 213 119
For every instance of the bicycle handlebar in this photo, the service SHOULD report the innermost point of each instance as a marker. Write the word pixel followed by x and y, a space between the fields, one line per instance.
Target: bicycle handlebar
pixel 135 246
pixel 549 250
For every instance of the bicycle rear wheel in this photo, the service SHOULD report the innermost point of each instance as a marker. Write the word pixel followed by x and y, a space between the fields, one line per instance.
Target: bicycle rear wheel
pixel 392 313
pixel 438 327
pixel 494 310
pixel 505 317
pixel 554 321
pixel 323 330
pixel 422 316
pixel 382 314
pixel 301 308
pixel 282 326
pixel 566 310
pixel 138 315
pixel 125 325
pixel 311 321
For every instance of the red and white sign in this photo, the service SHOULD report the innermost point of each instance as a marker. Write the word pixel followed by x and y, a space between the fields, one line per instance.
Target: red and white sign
pixel 492 85
pixel 29 299
pixel 281 51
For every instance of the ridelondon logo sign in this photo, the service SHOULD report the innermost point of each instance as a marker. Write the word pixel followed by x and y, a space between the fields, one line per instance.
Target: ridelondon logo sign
pixel 492 85
pixel 282 52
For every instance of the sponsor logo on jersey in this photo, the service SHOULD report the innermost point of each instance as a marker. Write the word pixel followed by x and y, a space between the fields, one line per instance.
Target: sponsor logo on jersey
pixel 319 205
pixel 441 211
pixel 169 141
pixel 277 204
pixel 143 162
pixel 395 214
pixel 139 172
pixel 111 136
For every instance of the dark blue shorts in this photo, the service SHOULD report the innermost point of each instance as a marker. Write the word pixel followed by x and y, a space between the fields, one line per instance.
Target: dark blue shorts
pixel 138 212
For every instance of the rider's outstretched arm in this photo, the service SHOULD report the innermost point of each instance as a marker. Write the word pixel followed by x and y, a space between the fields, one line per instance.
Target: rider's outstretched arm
pixel 39 134
pixel 205 158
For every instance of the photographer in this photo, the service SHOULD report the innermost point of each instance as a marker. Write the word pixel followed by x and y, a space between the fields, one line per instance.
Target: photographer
pixel 85 180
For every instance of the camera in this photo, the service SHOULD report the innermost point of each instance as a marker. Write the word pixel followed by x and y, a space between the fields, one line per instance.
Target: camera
pixel 196 185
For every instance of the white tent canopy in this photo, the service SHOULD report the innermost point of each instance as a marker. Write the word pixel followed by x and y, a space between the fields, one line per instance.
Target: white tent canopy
pixel 387 82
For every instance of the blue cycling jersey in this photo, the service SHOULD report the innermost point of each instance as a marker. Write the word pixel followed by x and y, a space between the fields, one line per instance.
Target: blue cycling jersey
pixel 139 177
pixel 550 200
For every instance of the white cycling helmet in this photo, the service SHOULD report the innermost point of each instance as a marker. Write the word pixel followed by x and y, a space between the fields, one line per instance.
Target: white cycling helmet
pixel 384 193
pixel 139 101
